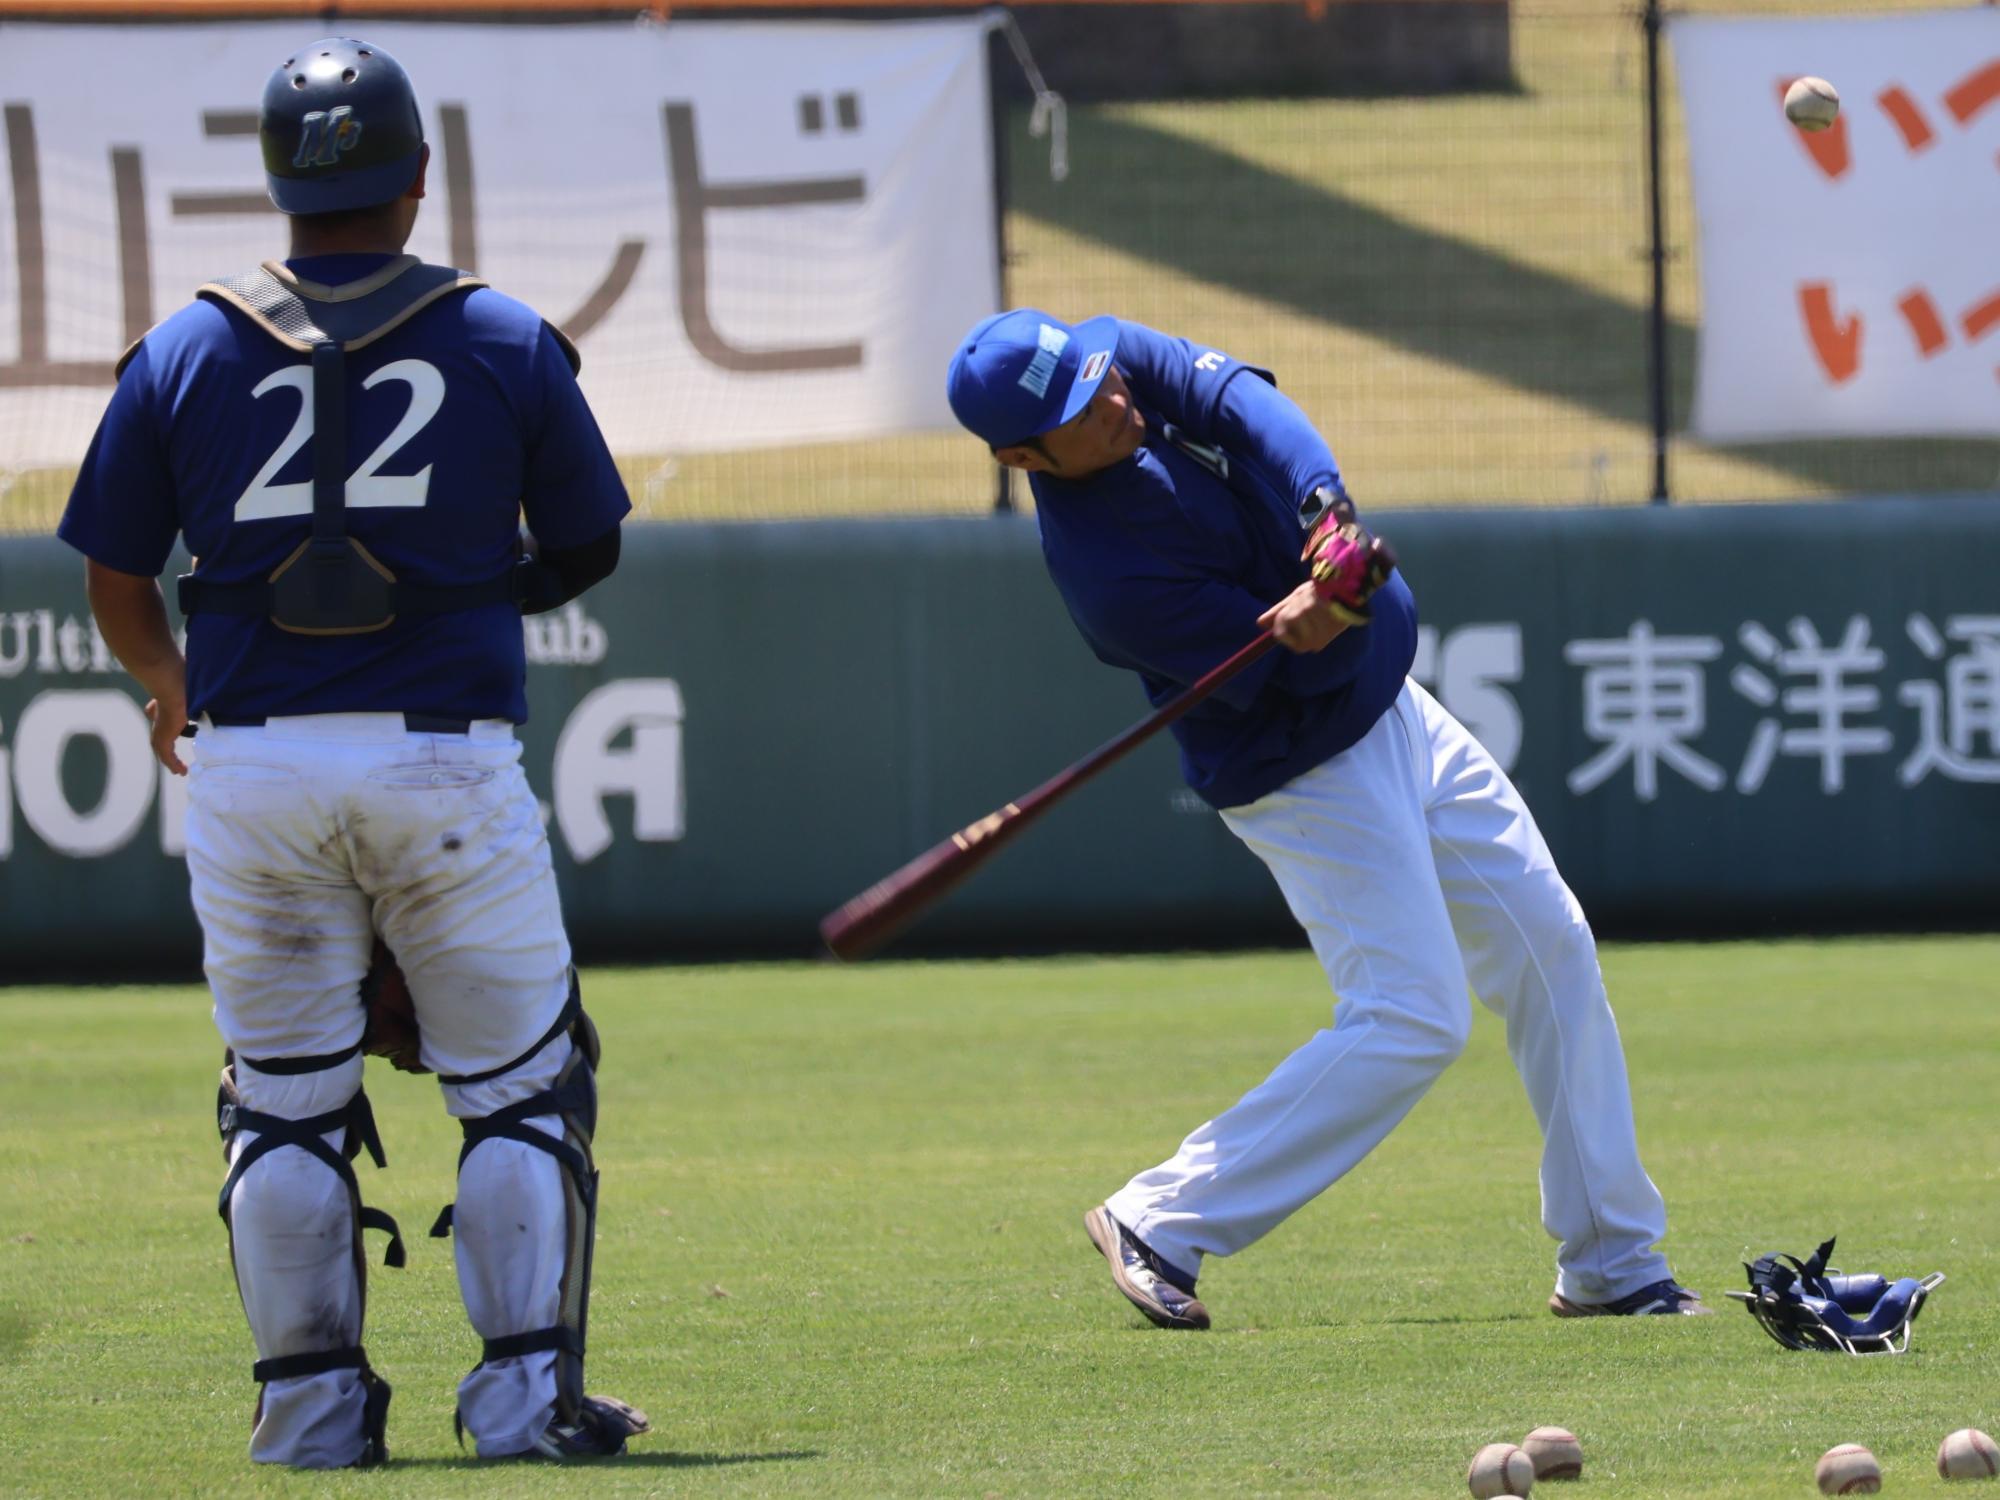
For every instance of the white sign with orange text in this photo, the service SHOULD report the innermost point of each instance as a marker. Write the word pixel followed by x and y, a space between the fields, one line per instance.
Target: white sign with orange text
pixel 1848 279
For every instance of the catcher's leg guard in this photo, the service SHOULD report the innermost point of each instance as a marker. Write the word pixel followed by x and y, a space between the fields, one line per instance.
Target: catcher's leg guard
pixel 526 1219
pixel 295 1220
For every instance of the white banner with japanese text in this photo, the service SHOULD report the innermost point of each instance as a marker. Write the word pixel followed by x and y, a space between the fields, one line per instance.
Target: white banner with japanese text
pixel 1848 284
pixel 757 233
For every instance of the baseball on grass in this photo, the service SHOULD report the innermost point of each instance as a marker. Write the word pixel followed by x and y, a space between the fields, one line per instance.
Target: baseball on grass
pixel 1812 103
pixel 1555 1453
pixel 1968 1454
pixel 1500 1469
pixel 1849 1469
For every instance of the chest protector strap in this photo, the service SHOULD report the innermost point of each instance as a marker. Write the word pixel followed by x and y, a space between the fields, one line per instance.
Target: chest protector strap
pixel 331 584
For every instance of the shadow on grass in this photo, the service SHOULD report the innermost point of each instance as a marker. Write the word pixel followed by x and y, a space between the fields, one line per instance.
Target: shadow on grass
pixel 1449 1320
pixel 16 1329
pixel 631 1459
pixel 1212 215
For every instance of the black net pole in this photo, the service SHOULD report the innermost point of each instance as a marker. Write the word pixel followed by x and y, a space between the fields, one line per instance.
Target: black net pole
pixel 1003 489
pixel 1657 322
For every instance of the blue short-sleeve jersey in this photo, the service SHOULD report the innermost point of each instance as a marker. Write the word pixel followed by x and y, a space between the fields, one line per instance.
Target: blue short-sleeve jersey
pixel 1167 558
pixel 461 421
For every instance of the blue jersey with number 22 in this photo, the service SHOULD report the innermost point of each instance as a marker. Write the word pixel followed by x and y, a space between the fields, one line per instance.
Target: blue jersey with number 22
pixel 460 422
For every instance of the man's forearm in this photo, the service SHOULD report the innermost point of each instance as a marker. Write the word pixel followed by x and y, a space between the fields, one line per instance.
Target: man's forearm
pixel 554 577
pixel 132 618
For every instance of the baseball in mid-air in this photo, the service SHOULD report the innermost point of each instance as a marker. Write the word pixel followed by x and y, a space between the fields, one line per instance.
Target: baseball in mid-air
pixel 1849 1469
pixel 1555 1453
pixel 1500 1469
pixel 1812 103
pixel 1968 1454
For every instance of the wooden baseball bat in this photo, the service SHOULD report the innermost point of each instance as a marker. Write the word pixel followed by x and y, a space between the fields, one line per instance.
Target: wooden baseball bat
pixel 887 907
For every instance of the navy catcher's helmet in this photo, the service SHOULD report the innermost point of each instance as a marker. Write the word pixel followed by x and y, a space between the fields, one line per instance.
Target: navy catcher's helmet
pixel 1805 1304
pixel 339 128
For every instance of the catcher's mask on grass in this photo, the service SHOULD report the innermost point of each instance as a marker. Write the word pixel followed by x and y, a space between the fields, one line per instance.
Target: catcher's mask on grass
pixel 1804 1304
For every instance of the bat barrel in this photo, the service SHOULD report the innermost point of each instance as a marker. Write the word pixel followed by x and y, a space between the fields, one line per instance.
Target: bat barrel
pixel 887 907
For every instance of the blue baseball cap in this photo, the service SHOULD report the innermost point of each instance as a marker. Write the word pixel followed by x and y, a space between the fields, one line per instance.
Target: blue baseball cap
pixel 1018 374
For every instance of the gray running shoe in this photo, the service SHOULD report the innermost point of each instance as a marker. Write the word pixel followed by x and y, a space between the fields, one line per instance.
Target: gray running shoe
pixel 1662 1298
pixel 1164 1295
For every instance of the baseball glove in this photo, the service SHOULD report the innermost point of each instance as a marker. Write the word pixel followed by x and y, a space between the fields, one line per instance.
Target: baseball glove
pixel 390 1029
pixel 1348 562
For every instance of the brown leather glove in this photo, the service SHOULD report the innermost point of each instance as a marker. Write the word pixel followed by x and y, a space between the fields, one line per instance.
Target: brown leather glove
pixel 391 1027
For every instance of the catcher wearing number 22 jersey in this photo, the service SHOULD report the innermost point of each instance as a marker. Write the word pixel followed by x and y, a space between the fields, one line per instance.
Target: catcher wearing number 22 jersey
pixel 348 440
pixel 1184 503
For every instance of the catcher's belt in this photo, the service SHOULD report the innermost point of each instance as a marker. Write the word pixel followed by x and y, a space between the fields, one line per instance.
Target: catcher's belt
pixel 1806 1304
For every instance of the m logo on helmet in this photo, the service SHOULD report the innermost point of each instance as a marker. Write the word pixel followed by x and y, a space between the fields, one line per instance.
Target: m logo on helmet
pixel 324 134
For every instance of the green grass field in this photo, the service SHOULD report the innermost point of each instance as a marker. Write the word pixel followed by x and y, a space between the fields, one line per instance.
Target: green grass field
pixel 841 1253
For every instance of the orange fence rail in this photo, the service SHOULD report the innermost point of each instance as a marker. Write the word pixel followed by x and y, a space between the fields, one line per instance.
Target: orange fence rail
pixel 149 10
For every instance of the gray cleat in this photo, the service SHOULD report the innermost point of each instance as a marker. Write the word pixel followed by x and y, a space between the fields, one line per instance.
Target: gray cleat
pixel 1164 1295
pixel 1661 1299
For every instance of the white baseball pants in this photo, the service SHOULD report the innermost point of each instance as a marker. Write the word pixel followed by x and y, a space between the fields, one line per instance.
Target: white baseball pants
pixel 306 837
pixel 1416 869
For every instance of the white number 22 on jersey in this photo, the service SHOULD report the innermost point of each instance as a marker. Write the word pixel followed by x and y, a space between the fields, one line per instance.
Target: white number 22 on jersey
pixel 263 500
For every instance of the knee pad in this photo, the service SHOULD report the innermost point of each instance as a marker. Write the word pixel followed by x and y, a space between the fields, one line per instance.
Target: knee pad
pixel 268 1133
pixel 572 1099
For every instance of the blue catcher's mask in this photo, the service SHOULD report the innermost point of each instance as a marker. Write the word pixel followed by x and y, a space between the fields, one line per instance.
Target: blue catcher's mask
pixel 1805 1304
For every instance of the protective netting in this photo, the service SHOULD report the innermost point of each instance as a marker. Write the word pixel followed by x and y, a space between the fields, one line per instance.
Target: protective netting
pixel 1455 286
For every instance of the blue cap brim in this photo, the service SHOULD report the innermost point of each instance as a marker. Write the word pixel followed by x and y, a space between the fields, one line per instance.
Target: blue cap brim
pixel 333 192
pixel 1093 336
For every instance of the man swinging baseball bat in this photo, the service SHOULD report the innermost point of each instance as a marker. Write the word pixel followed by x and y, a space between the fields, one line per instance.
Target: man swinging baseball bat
pixel 1174 486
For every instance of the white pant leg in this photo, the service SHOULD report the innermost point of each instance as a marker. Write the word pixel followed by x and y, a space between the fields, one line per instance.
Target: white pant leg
pixel 285 932
pixel 285 942
pixel 1348 846
pixel 292 1237
pixel 448 846
pixel 451 850
pixel 1531 959
pixel 510 1233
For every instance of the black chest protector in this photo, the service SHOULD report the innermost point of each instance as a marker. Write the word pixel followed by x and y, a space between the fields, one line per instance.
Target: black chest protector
pixel 331 584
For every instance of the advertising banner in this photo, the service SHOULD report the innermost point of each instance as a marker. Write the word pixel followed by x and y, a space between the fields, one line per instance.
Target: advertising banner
pixel 756 233
pixel 746 725
pixel 1848 284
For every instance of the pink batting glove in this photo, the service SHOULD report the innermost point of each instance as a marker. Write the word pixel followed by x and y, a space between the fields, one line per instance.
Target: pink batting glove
pixel 1349 563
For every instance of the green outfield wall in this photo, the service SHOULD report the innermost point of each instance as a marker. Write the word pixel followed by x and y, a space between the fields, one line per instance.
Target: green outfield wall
pixel 1727 719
